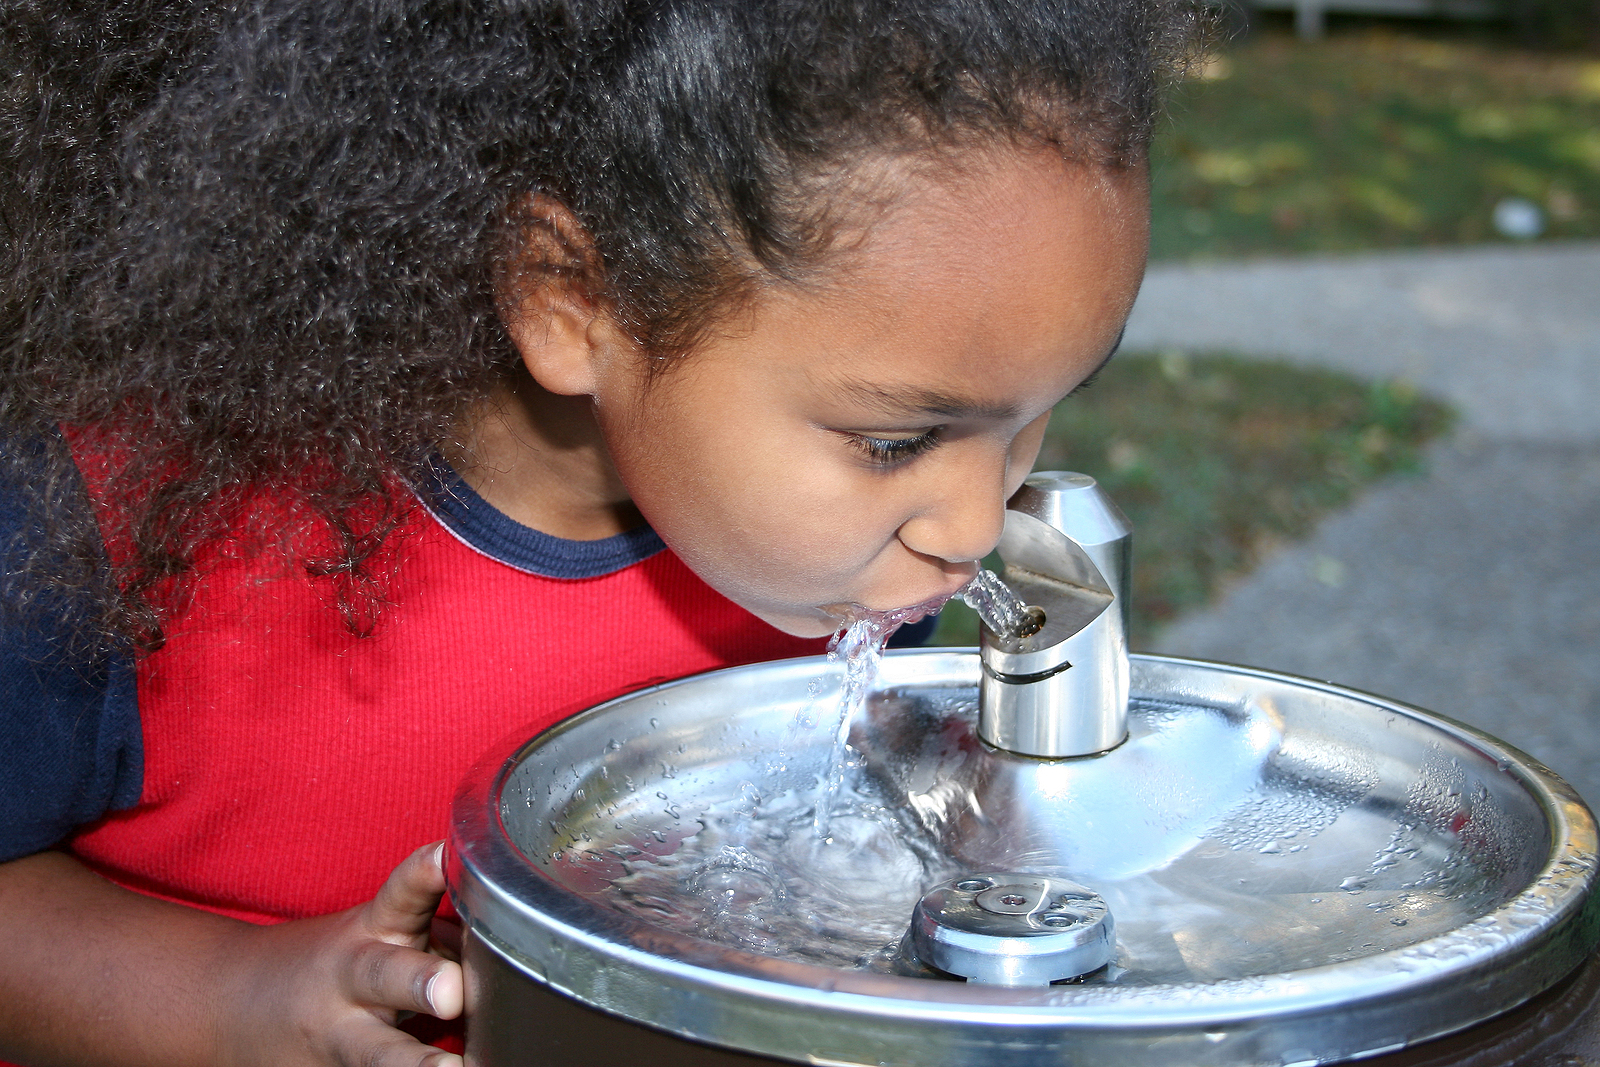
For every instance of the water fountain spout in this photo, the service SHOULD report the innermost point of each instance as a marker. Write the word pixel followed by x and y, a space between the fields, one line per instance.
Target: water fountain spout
pixel 1062 689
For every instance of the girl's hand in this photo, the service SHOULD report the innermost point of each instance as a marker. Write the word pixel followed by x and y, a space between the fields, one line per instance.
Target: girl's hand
pixel 329 990
pixel 99 974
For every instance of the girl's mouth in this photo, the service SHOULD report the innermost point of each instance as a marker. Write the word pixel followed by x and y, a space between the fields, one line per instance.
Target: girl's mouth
pixel 849 613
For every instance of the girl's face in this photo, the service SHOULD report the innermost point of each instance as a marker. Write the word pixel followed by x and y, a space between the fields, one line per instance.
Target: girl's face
pixel 853 445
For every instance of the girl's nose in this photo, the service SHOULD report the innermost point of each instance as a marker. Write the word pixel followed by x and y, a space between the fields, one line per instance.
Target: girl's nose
pixel 961 520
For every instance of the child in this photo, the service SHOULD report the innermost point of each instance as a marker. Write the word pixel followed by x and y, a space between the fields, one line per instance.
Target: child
pixel 387 380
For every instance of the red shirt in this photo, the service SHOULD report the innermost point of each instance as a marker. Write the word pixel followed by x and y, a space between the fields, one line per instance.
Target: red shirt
pixel 290 765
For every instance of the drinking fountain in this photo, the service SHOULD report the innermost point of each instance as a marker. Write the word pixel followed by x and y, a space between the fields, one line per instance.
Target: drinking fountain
pixel 1044 851
pixel 1058 686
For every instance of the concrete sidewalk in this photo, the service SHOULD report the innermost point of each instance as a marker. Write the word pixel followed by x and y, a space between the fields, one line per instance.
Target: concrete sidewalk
pixel 1473 590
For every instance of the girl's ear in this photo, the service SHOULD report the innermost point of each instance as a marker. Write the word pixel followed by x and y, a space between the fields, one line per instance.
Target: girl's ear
pixel 563 333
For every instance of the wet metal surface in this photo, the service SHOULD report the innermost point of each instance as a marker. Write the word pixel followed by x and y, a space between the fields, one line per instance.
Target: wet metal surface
pixel 1004 928
pixel 1298 873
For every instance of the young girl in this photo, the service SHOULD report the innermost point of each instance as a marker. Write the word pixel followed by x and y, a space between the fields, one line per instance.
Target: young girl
pixel 388 379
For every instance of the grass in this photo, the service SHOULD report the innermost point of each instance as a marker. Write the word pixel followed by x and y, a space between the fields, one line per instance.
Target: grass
pixel 1373 139
pixel 1215 459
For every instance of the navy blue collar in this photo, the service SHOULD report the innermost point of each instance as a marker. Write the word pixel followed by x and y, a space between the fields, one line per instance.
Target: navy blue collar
pixel 484 529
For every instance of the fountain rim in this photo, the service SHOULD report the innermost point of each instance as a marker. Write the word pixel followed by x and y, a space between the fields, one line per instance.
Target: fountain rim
pixel 494 886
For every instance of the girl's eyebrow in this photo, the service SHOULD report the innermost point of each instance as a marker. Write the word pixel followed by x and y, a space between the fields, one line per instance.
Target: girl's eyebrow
pixel 913 402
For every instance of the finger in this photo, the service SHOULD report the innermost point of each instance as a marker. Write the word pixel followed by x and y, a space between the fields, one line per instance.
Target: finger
pixel 393 977
pixel 405 903
pixel 367 1042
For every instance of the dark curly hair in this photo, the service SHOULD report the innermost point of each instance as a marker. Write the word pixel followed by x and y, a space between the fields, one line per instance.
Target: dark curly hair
pixel 255 250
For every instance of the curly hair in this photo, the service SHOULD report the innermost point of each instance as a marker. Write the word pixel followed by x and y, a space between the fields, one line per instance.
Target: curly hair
pixel 257 249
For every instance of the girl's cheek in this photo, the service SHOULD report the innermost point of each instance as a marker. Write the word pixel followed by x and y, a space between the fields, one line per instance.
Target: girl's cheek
pixel 1023 454
pixel 824 564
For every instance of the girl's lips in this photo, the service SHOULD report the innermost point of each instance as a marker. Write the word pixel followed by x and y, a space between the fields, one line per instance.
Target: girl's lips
pixel 848 613
pixel 931 606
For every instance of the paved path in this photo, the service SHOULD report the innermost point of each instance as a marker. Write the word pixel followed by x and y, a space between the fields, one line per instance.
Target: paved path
pixel 1473 590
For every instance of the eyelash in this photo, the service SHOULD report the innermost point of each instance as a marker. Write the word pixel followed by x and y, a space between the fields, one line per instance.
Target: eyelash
pixel 884 452
pixel 1086 383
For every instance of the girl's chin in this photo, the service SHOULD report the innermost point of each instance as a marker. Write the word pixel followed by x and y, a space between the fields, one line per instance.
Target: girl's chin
pixel 816 623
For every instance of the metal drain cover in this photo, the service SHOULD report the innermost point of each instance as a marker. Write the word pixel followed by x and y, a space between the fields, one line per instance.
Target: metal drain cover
pixel 1013 929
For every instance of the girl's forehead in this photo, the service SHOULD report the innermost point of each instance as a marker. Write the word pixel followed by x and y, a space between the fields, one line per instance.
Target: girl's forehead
pixel 1017 241
pixel 978 215
pixel 985 293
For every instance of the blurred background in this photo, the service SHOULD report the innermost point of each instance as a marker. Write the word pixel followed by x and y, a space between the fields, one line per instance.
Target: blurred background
pixel 1356 419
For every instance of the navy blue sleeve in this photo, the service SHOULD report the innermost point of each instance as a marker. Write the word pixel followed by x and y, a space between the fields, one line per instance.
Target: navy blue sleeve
pixel 72 748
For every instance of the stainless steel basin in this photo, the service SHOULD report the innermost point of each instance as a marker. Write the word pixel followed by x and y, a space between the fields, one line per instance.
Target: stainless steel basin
pixel 1299 873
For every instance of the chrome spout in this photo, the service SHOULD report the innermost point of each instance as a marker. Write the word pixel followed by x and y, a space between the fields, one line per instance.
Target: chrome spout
pixel 1063 689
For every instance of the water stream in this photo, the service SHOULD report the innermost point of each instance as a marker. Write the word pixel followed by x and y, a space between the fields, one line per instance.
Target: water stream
pixel 821 873
pixel 858 647
pixel 1001 610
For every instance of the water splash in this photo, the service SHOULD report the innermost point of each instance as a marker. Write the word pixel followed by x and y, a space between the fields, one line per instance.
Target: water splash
pixel 751 873
pixel 859 647
pixel 1001 610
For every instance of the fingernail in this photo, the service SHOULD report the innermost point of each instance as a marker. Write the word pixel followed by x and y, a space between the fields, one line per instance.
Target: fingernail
pixel 438 855
pixel 427 993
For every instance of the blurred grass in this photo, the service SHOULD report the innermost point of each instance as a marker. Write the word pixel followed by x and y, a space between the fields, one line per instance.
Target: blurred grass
pixel 1215 459
pixel 1372 139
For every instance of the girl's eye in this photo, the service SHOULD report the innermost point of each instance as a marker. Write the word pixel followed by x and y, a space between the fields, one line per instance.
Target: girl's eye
pixel 889 451
pixel 1087 382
